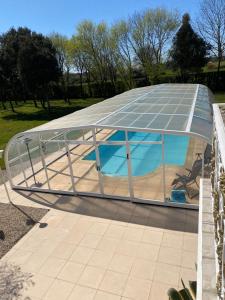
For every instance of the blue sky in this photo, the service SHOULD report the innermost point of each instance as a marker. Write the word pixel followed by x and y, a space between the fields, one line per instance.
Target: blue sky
pixel 46 16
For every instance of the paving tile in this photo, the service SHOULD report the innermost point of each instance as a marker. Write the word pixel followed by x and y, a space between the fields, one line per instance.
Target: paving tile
pixel 188 259
pixel 100 295
pixel 20 256
pixel 121 263
pixel 187 275
pixel 170 256
pixel 143 269
pixel 90 240
pixel 133 234
pixel 148 251
pixel 74 237
pixel 115 231
pixel 167 274
pixel 159 291
pixel 152 237
pixel 31 244
pixel 127 248
pixel 82 293
pixel 81 254
pixel 137 289
pixel 100 259
pixel 52 266
pixel 59 290
pixel 190 243
pixel 113 282
pixel 40 286
pixel 71 272
pixel 64 250
pixel 108 244
pixel 34 263
pixel 98 228
pixel 172 240
pixel 91 277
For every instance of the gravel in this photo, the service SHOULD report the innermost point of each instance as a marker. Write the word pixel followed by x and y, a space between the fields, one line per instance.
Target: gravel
pixel 15 223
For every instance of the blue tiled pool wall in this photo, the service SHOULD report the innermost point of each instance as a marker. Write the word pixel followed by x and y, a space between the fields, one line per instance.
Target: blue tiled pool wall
pixel 145 158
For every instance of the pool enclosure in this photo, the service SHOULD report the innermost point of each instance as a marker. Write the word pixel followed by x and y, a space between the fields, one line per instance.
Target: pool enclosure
pixel 149 144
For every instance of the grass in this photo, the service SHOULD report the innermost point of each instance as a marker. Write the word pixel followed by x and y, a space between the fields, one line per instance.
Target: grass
pixel 214 68
pixel 219 97
pixel 27 116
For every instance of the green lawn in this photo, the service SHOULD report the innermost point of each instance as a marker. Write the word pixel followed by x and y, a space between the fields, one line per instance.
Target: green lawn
pixel 219 97
pixel 27 116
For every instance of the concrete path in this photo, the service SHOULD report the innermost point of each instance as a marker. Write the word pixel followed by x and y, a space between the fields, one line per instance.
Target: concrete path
pixel 104 250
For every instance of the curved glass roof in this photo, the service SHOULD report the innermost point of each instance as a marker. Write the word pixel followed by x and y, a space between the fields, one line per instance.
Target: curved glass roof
pixel 171 108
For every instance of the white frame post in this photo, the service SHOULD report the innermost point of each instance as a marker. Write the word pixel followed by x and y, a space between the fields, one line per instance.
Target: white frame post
pixel 21 163
pixel 43 162
pixel 129 167
pixel 69 163
pixel 98 162
pixel 163 166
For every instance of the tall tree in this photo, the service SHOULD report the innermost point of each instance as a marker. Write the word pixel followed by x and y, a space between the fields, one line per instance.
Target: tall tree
pixel 211 25
pixel 151 32
pixel 63 47
pixel 123 52
pixel 28 60
pixel 189 50
pixel 96 43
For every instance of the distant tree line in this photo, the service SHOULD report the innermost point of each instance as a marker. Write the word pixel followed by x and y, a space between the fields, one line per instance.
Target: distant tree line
pixel 101 61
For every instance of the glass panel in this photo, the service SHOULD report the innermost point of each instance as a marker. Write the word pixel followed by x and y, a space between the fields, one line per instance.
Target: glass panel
pixel 160 122
pixel 114 170
pixel 84 165
pixel 183 109
pixel 183 167
pixel 146 166
pixel 202 127
pixel 169 109
pixel 155 109
pixel 57 164
pixel 143 121
pixel 31 162
pixel 178 123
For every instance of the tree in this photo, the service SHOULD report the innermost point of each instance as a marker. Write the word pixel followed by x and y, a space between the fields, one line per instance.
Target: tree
pixel 189 50
pixel 95 41
pixel 79 60
pixel 123 52
pixel 211 25
pixel 151 33
pixel 63 47
pixel 28 62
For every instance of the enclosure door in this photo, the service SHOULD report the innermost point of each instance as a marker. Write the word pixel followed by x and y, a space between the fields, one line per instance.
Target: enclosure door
pixel 114 169
pixel 56 163
pixel 147 170
pixel 84 167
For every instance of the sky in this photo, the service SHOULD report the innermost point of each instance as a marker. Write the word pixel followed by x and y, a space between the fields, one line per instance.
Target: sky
pixel 47 16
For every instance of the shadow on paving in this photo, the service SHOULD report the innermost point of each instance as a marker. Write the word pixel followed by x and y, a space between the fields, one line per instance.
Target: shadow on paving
pixel 150 215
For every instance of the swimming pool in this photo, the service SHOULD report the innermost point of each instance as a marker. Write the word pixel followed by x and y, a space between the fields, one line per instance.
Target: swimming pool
pixel 145 158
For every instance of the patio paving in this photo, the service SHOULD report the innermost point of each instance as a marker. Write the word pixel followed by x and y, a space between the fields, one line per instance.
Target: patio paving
pixel 101 249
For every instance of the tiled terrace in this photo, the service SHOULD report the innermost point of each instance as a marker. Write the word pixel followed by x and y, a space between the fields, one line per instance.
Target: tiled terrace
pixel 105 250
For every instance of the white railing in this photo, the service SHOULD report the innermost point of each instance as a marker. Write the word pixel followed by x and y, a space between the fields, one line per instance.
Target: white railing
pixel 218 196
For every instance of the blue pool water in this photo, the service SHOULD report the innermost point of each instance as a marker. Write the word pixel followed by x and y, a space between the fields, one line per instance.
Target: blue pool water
pixel 144 158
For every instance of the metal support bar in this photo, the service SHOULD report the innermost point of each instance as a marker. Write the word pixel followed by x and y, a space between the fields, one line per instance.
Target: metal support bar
pixel 21 164
pixel 163 167
pixel 43 163
pixel 130 179
pixel 70 167
pixel 100 179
